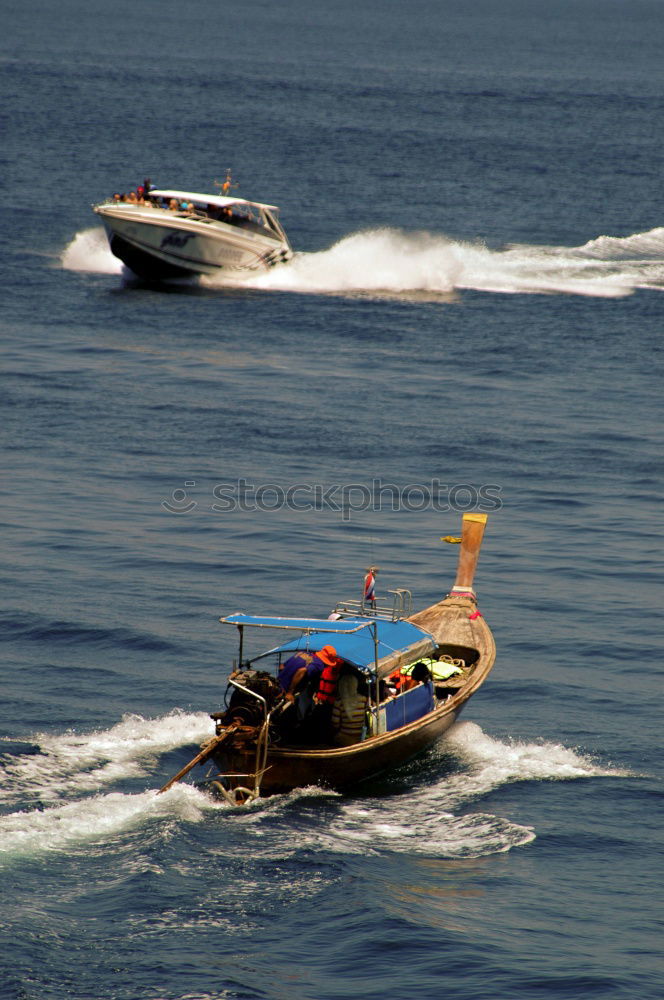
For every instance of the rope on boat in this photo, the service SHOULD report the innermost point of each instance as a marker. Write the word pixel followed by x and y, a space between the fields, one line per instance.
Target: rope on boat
pixel 446 658
pixel 238 796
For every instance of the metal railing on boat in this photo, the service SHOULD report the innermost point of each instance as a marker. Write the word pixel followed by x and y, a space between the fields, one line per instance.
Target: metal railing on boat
pixel 394 608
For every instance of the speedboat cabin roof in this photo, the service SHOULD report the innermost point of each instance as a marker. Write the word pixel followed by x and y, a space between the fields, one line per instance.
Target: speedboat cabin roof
pixel 219 201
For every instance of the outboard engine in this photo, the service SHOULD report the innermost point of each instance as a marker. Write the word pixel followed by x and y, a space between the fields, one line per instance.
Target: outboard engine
pixel 243 709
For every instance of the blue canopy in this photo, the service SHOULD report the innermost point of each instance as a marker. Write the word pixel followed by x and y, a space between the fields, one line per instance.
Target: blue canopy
pixel 301 624
pixel 399 642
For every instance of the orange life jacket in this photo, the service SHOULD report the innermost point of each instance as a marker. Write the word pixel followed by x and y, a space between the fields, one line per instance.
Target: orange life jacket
pixel 327 685
pixel 402 682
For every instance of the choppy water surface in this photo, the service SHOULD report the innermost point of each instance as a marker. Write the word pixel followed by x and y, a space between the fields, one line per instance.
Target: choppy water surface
pixel 474 309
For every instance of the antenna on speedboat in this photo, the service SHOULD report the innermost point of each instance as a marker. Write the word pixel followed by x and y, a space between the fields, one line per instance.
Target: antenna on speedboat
pixel 472 533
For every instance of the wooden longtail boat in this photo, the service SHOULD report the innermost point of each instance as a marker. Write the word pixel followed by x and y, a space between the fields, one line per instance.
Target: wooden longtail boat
pixel 383 715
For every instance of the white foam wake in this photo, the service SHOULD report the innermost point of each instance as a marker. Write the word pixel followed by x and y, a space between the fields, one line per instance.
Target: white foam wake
pixel 383 260
pixel 94 819
pixel 79 762
pixel 640 246
pixel 391 262
pixel 434 818
pixel 426 820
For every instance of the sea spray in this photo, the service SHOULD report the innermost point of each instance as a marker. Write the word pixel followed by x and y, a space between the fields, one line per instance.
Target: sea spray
pixel 73 763
pixel 394 263
pixel 89 251
pixel 434 817
pixel 98 818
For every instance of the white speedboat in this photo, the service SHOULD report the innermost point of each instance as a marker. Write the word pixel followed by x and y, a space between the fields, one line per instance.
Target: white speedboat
pixel 177 234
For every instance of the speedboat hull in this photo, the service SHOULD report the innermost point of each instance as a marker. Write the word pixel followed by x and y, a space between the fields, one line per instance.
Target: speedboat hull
pixel 156 243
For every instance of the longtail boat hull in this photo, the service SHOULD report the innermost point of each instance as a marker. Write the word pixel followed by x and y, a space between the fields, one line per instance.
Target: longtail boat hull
pixel 458 627
pixel 407 677
pixel 340 768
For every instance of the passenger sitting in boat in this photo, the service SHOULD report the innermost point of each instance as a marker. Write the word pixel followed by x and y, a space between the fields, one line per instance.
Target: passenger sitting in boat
pixel 326 694
pixel 350 707
pixel 399 682
pixel 173 205
pixel 420 673
pixel 404 680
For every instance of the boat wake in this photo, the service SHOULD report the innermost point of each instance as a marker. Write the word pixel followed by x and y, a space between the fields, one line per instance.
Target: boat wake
pixel 425 264
pixel 393 263
pixel 433 819
pixel 56 795
pixel 54 767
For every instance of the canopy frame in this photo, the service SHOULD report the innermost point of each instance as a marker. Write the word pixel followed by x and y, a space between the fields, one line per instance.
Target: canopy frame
pixel 402 642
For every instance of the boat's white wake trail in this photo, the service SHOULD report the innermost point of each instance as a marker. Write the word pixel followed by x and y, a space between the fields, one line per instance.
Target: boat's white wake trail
pixel 426 820
pixel 76 763
pixel 95 818
pixel 435 818
pixel 66 768
pixel 386 261
pixel 394 263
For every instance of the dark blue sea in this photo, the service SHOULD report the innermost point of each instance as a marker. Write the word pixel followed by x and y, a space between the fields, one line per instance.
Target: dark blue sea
pixel 473 319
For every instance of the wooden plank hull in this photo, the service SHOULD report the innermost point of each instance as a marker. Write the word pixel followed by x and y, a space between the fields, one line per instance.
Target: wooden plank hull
pixel 458 627
pixel 341 767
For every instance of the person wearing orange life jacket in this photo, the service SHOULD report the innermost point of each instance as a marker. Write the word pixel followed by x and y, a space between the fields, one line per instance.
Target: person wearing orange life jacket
pixel 328 665
pixel 403 679
pixel 309 682
pixel 327 683
pixel 401 682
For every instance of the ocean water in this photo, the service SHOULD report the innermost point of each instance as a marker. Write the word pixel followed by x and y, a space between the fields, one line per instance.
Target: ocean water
pixel 474 315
